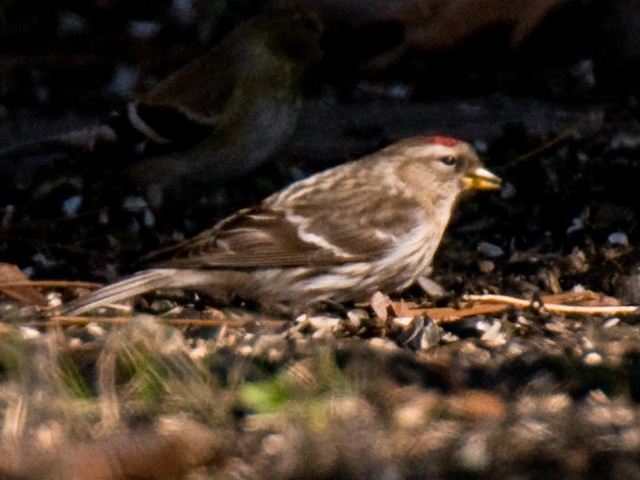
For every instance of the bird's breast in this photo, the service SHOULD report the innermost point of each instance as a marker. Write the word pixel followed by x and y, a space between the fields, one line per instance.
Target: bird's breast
pixel 409 258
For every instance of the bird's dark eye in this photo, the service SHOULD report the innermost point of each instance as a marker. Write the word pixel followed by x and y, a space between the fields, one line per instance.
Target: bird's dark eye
pixel 449 161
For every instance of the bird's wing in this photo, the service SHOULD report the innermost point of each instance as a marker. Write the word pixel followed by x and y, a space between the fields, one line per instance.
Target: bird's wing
pixel 188 105
pixel 304 235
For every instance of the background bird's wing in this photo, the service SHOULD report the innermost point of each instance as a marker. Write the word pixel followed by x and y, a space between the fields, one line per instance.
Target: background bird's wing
pixel 187 106
pixel 307 235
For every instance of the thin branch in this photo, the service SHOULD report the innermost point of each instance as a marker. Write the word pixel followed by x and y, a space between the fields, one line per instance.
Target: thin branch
pixel 554 307
pixel 494 304
pixel 50 284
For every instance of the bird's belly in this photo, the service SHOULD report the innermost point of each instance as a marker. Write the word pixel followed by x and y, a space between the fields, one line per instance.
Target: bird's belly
pixel 408 261
pixel 352 282
pixel 257 135
pixel 396 270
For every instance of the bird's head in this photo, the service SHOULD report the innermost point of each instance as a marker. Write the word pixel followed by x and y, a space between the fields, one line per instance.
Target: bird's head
pixel 440 168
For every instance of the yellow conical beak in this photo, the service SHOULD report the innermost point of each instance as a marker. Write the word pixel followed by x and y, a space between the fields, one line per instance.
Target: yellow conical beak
pixel 481 179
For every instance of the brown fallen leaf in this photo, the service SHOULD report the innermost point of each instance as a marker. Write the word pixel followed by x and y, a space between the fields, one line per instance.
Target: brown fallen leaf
pixel 25 294
pixel 402 308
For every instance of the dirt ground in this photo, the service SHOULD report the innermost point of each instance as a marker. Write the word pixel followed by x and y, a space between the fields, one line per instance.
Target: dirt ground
pixel 395 390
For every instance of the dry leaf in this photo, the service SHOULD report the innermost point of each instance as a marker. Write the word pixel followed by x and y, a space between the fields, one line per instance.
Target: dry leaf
pixel 379 303
pixel 405 309
pixel 24 294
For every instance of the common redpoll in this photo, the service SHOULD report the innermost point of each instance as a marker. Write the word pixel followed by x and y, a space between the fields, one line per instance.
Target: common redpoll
pixel 340 235
pixel 219 116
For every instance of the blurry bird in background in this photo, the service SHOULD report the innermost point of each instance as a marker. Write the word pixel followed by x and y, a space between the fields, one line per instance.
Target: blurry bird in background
pixel 337 236
pixel 220 116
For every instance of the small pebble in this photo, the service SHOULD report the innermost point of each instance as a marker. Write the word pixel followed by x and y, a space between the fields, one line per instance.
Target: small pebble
pixel 494 336
pixel 508 191
pixel 322 333
pixel 490 250
pixel 514 350
pixel 123 81
pixel 486 266
pixel 42 260
pixel 29 333
pixel 246 350
pixel 612 322
pixel 625 140
pixel 149 219
pixel 430 336
pixel 577 224
pixel 474 452
pixel 618 239
pixel 578 261
pixel 144 30
pixel 578 288
pixel 598 396
pixel 71 205
pixel 448 337
pixel 382 344
pixel 70 23
pixel 555 326
pixel 403 321
pixel 357 316
pixel 95 329
pixel 134 204
pixel 399 90
pixel 183 11
pixel 431 287
pixel 587 344
pixel 481 146
pixel 199 350
pixel 53 299
pixel 323 322
pixel 103 217
pixel 592 358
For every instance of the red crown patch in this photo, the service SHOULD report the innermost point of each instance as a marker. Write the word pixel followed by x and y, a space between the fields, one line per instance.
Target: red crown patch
pixel 444 141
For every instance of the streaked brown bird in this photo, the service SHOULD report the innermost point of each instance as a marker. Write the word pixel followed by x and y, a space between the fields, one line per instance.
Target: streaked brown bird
pixel 340 235
pixel 220 116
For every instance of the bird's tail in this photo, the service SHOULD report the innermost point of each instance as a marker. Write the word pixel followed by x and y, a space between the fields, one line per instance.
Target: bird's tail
pixel 83 141
pixel 139 283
